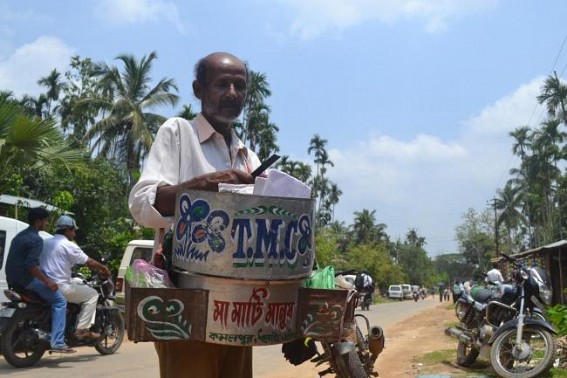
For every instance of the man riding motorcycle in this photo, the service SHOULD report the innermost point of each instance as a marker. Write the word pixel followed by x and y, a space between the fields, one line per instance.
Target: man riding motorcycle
pixel 23 272
pixel 59 256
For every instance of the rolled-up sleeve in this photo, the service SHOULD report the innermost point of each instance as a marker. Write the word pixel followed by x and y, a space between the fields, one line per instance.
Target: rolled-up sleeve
pixel 161 168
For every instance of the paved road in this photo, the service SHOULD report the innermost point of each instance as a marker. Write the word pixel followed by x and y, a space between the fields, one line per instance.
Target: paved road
pixel 139 360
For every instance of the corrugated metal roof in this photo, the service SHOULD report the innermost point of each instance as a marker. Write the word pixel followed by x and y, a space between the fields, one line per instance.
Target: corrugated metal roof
pixel 25 202
pixel 544 248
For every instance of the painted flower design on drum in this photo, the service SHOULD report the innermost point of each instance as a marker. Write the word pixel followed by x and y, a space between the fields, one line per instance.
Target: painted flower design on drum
pixel 198 224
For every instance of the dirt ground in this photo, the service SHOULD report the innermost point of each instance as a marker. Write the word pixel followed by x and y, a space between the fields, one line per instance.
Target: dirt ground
pixel 421 334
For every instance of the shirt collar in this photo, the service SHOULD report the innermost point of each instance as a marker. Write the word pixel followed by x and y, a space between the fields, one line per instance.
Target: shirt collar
pixel 206 131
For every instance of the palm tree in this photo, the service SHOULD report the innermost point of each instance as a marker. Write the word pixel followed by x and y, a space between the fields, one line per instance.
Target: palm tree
pixel 554 95
pixel 522 135
pixel 509 202
pixel 364 226
pixel 54 86
pixel 258 90
pixel 334 195
pixel 34 106
pixel 187 112
pixel 31 141
pixel 268 137
pixel 127 129
pixel 317 145
pixel 302 171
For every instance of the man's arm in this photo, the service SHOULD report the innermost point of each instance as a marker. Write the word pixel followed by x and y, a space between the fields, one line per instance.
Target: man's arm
pixel 37 273
pixel 165 196
pixel 95 265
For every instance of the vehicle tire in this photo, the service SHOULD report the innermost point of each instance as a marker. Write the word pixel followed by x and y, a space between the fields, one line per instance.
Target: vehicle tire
pixel 20 344
pixel 349 366
pixel 538 363
pixel 112 333
pixel 466 354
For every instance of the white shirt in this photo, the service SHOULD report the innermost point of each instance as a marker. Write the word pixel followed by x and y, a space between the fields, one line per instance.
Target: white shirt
pixel 494 276
pixel 367 281
pixel 58 257
pixel 183 150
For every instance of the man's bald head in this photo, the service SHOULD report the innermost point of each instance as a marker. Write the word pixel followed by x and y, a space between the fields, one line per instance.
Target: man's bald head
pixel 202 66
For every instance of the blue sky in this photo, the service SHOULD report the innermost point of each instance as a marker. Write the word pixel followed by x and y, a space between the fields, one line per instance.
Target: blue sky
pixel 415 97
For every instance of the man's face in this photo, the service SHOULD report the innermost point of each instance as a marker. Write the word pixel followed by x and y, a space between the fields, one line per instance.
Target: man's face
pixel 222 96
pixel 71 233
pixel 42 224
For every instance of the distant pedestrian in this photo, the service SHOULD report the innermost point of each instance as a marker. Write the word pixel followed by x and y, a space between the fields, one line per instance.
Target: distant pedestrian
pixel 446 294
pixel 467 287
pixel 441 288
pixel 456 291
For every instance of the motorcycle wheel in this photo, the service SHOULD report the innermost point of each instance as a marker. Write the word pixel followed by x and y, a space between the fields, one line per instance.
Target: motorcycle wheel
pixel 20 344
pixel 540 360
pixel 350 366
pixel 112 333
pixel 466 354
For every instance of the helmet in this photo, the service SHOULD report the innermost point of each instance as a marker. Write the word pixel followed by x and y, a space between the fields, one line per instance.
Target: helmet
pixel 65 222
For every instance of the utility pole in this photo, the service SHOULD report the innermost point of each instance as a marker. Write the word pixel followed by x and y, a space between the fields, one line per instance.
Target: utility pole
pixel 495 226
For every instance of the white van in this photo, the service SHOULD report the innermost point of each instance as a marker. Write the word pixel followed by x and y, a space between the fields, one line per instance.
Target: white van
pixel 136 249
pixel 406 289
pixel 395 292
pixel 9 228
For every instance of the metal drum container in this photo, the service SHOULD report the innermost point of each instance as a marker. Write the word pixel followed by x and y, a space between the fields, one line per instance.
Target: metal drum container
pixel 247 312
pixel 244 236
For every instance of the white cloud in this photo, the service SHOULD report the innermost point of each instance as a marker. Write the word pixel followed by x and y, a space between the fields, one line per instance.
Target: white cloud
pixel 427 182
pixel 21 70
pixel 138 11
pixel 317 16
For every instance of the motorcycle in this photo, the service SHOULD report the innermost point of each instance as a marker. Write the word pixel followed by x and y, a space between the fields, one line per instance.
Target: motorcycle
pixel 509 322
pixel 353 356
pixel 25 323
pixel 365 300
pixel 415 296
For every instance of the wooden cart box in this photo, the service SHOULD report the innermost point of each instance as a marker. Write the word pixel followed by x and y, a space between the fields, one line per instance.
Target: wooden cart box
pixel 244 236
pixel 166 314
pixel 321 313
pixel 256 314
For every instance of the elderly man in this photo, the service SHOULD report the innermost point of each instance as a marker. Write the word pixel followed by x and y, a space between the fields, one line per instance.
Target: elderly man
pixel 198 155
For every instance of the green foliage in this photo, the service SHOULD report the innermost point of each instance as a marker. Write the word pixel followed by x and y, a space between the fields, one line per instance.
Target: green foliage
pixel 558 316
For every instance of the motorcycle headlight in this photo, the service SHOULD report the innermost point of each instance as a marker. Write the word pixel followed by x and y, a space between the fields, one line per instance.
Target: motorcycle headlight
pixel 546 294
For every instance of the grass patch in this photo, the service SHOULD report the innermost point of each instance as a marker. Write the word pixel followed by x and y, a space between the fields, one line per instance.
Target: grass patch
pixel 558 373
pixel 437 357
pixel 444 360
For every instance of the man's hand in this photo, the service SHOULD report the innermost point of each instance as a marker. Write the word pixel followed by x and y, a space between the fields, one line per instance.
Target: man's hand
pixel 51 285
pixel 105 272
pixel 211 181
pixel 165 196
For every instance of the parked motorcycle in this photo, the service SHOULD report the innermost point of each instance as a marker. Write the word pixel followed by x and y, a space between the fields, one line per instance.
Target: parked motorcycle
pixel 25 323
pixel 521 341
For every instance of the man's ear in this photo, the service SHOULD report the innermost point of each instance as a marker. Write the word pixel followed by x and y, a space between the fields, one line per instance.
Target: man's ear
pixel 197 89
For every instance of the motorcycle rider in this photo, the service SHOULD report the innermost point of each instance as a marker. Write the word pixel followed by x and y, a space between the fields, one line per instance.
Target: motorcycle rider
pixel 60 254
pixel 367 285
pixel 23 272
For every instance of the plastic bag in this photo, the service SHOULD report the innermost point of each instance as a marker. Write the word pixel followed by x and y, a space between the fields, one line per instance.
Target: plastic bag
pixel 143 274
pixel 321 278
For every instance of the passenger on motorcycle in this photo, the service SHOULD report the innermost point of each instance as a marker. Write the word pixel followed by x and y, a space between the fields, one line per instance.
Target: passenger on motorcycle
pixel 23 272
pixel 365 284
pixel 59 256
